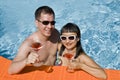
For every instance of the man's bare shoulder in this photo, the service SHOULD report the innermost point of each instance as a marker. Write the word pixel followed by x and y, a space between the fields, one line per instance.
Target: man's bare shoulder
pixel 25 45
pixel 27 41
pixel 22 51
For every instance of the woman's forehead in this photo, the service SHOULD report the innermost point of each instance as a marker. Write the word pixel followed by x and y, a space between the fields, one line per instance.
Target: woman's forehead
pixel 69 33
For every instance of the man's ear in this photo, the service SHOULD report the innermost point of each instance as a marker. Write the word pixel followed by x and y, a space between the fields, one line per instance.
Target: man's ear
pixel 36 23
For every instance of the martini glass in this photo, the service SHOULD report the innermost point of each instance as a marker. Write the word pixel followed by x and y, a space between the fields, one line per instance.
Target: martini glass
pixel 36 47
pixel 69 57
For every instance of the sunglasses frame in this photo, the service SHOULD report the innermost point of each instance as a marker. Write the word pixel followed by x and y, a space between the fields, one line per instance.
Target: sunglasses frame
pixel 47 22
pixel 68 37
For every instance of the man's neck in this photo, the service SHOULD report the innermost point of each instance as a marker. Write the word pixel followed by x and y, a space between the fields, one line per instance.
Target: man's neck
pixel 42 38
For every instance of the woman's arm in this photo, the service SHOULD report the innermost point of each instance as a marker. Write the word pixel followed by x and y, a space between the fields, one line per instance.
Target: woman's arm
pixel 87 64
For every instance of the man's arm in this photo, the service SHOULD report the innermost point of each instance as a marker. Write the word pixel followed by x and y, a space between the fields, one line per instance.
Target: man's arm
pixel 19 62
pixel 23 58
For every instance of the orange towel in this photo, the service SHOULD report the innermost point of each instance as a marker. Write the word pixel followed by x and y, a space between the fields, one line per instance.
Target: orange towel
pixel 59 73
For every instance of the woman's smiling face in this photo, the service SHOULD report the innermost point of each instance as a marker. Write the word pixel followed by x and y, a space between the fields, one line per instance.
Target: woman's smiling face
pixel 69 40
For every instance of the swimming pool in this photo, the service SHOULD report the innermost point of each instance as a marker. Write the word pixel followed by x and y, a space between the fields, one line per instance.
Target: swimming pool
pixel 99 21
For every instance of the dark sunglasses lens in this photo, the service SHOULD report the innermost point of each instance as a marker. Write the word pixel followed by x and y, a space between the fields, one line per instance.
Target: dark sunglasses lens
pixel 63 38
pixel 71 38
pixel 45 22
pixel 53 23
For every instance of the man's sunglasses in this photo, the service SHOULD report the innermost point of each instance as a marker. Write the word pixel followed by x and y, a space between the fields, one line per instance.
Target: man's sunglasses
pixel 71 37
pixel 47 22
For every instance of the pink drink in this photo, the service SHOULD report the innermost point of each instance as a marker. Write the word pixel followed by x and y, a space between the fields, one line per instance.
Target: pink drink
pixel 68 55
pixel 36 46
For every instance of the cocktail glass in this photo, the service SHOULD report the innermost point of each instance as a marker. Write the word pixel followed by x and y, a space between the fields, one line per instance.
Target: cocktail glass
pixel 36 47
pixel 69 57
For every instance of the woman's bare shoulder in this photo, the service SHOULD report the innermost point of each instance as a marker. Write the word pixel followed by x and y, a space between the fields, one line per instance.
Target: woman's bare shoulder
pixel 84 57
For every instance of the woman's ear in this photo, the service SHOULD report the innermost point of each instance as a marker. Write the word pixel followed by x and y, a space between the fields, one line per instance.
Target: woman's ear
pixel 78 39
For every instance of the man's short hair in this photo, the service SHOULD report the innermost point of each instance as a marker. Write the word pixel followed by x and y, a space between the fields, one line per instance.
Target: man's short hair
pixel 45 10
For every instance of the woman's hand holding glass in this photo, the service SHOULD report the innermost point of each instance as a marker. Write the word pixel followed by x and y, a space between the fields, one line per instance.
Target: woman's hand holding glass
pixel 69 56
pixel 73 65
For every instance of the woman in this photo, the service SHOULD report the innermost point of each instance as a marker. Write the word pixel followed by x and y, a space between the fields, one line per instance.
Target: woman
pixel 72 55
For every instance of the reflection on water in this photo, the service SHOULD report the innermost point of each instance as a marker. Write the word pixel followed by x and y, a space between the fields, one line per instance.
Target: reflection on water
pixel 99 21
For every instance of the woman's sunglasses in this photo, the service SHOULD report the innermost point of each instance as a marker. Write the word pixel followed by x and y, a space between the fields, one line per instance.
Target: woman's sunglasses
pixel 47 22
pixel 71 37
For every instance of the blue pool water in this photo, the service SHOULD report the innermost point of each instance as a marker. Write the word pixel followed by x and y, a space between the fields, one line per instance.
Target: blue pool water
pixel 99 21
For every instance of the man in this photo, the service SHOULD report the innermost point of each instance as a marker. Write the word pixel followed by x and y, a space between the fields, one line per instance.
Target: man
pixel 46 35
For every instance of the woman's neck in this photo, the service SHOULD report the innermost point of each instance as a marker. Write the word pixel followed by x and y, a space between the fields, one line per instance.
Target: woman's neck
pixel 71 51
